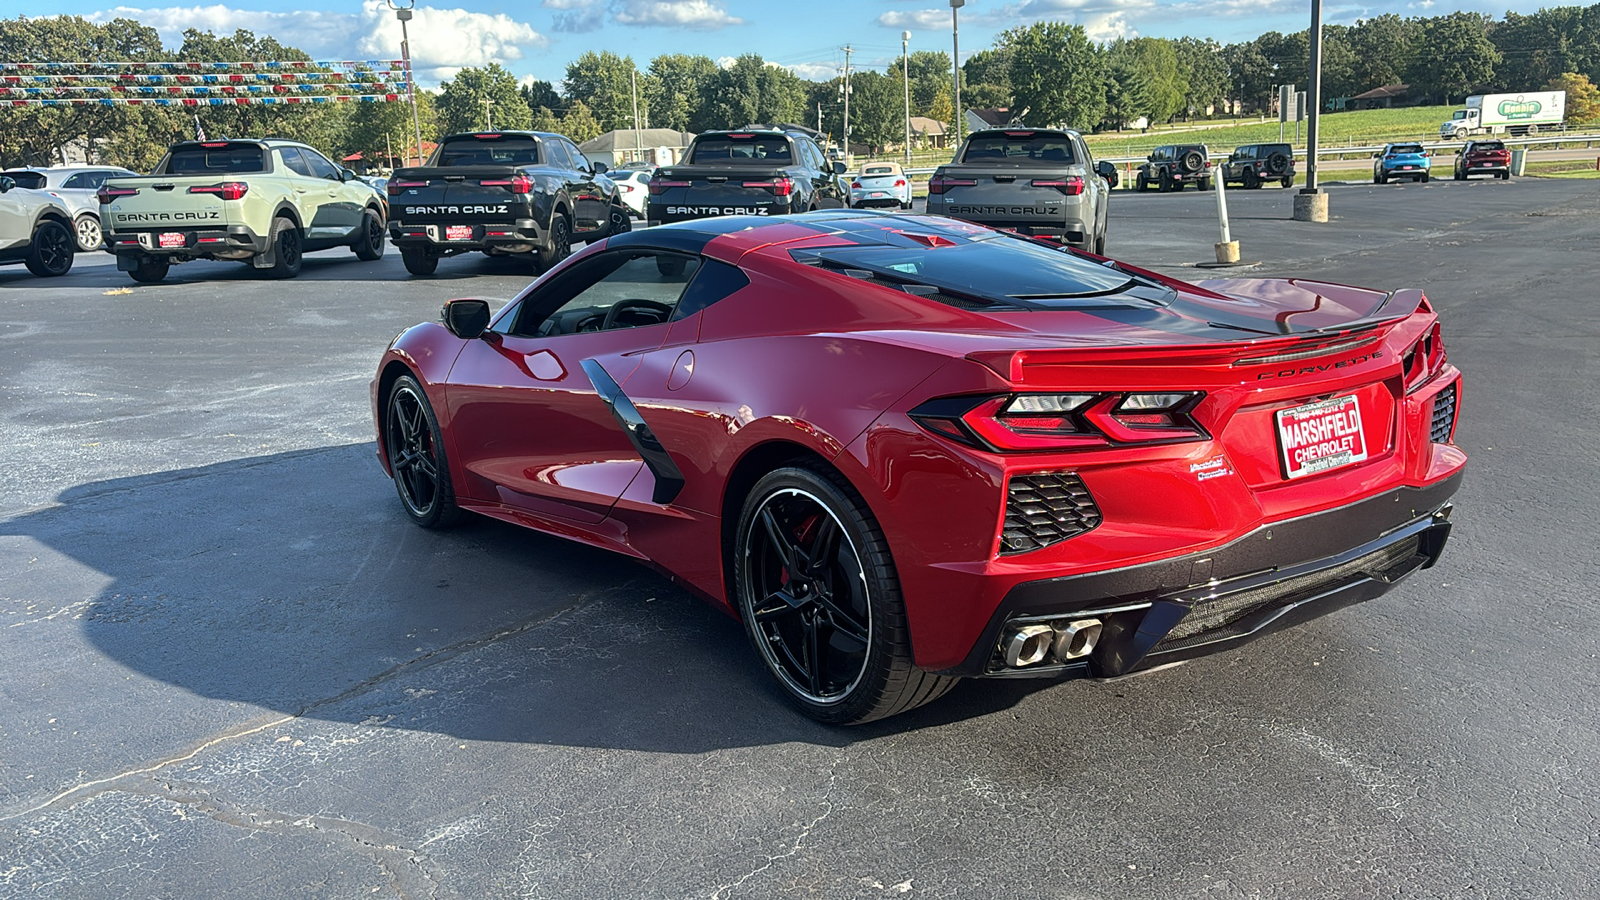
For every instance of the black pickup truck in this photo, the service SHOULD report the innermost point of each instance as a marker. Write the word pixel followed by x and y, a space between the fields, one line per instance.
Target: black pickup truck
pixel 756 172
pixel 522 193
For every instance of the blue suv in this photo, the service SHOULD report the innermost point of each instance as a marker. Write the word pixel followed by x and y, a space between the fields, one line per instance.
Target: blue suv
pixel 1401 161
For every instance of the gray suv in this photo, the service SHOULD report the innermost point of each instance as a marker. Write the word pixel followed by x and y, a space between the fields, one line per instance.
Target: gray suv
pixel 1256 164
pixel 1034 181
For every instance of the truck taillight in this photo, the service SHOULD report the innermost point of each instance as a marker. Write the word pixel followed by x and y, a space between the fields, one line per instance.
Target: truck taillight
pixel 781 187
pixel 1072 186
pixel 939 184
pixel 228 190
pixel 396 187
pixel 108 194
pixel 659 186
pixel 516 184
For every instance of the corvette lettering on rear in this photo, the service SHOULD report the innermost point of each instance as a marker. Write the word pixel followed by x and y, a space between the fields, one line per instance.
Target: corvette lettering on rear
pixel 1321 367
pixel 485 210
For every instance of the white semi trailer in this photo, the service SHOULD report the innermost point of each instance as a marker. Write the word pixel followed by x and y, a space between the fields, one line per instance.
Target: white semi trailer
pixel 1518 114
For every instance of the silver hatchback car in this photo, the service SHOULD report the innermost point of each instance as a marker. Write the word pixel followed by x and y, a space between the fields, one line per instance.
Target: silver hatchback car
pixel 74 186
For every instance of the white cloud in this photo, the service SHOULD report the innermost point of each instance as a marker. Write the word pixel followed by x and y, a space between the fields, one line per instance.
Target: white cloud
pixel 814 71
pixel 922 18
pixel 442 40
pixel 578 16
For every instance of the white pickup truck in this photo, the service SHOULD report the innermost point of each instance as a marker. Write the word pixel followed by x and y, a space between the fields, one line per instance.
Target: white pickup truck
pixel 36 230
pixel 1517 114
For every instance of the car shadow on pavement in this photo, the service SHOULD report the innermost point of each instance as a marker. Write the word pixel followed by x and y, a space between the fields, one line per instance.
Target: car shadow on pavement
pixel 293 582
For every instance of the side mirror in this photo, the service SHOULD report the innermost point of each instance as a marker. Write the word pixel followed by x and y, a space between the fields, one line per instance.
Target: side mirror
pixel 839 168
pixel 1378 155
pixel 601 168
pixel 466 319
pixel 7 183
pixel 348 175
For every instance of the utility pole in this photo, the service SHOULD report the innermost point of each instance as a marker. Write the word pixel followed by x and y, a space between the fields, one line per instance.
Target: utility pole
pixel 488 123
pixel 1311 204
pixel 955 61
pixel 638 147
pixel 402 11
pixel 819 118
pixel 847 52
pixel 905 65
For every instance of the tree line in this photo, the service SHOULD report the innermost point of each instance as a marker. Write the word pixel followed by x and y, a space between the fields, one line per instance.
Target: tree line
pixel 1049 73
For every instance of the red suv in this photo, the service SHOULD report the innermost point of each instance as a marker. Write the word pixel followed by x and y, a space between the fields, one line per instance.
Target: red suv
pixel 1483 158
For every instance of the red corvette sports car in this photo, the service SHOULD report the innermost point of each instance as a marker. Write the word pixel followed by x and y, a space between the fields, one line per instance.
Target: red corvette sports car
pixel 904 450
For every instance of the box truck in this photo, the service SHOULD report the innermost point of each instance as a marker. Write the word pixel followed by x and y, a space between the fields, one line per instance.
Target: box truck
pixel 1518 114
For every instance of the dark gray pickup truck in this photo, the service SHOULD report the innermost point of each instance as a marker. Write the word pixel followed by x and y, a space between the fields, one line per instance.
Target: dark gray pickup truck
pixel 1034 181
pixel 518 193
pixel 757 172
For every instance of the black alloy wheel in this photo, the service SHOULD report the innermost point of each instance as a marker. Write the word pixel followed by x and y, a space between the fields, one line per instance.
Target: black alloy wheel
pixel 286 250
pixel 369 244
pixel 50 251
pixel 821 602
pixel 416 457
pixel 558 247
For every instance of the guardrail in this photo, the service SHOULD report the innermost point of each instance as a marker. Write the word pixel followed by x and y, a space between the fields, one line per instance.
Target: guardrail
pixel 1367 150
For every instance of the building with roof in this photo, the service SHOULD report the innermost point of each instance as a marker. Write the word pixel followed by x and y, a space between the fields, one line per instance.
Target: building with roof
pixel 660 146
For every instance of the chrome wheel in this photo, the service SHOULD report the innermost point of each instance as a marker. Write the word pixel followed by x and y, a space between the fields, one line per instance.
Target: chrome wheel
pixel 805 594
pixel 88 231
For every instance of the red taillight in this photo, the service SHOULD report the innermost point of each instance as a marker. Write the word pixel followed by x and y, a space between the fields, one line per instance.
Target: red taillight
pixel 658 186
pixel 213 144
pixel 855 185
pixel 517 184
pixel 938 184
pixel 228 190
pixel 1072 186
pixel 108 194
pixel 487 137
pixel 781 187
pixel 1424 360
pixel 899 182
pixel 396 187
pixel 1027 422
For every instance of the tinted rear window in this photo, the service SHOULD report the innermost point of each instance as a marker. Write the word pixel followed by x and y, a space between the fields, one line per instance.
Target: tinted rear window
pixel 500 150
pixel 1489 145
pixel 1406 148
pixel 199 159
pixel 878 170
pixel 741 149
pixel 33 181
pixel 997 267
pixel 1023 148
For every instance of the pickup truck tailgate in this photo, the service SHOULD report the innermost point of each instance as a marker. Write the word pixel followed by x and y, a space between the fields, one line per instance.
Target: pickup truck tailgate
pixel 683 193
pixel 160 201
pixel 1005 196
pixel 465 194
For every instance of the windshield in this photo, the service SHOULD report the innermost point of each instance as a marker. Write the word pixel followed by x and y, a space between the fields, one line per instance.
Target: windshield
pixel 1001 267
pixel 219 158
pixel 741 148
pixel 1397 149
pixel 1460 114
pixel 1020 148
pixel 33 181
pixel 489 150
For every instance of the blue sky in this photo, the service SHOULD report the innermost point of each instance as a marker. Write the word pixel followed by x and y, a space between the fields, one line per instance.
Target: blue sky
pixel 536 38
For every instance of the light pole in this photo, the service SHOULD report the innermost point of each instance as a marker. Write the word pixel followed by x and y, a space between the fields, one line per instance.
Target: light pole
pixel 488 120
pixel 846 89
pixel 955 60
pixel 1311 204
pixel 402 11
pixel 905 65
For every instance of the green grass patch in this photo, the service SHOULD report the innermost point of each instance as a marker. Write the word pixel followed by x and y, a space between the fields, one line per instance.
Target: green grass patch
pixel 1563 168
pixel 1356 128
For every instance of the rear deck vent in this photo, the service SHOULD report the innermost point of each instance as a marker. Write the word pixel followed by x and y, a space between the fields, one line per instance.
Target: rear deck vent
pixel 1444 415
pixel 1046 508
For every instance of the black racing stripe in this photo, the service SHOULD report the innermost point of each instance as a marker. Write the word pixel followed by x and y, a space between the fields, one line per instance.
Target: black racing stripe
pixel 669 479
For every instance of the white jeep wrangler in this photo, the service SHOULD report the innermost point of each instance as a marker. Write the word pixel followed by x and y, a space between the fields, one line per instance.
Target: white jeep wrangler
pixel 35 229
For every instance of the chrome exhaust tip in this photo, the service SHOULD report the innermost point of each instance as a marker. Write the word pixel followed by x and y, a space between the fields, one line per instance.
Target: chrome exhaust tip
pixel 1028 645
pixel 1075 639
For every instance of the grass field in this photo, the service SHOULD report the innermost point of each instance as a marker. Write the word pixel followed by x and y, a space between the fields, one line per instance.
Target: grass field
pixel 1563 168
pixel 1374 126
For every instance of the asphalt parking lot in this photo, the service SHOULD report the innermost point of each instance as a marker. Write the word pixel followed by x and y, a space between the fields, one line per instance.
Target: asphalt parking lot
pixel 230 668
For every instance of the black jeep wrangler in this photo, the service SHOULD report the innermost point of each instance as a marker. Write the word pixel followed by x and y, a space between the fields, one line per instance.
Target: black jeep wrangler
pixel 1257 164
pixel 1175 165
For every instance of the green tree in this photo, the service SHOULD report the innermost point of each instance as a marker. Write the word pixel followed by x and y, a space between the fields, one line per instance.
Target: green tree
pixel 1204 70
pixel 750 92
pixel 930 71
pixel 1056 74
pixel 1453 56
pixel 601 81
pixel 1381 49
pixel 461 101
pixel 1538 47
pixel 1156 62
pixel 1583 98
pixel 683 80
pixel 877 109
pixel 991 67
pixel 1251 74
pixel 544 119
pixel 540 93
pixel 1126 93
pixel 943 109
pixel 579 123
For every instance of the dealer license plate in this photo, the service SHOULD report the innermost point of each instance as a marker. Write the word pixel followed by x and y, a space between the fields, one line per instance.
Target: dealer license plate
pixel 458 232
pixel 172 239
pixel 1321 436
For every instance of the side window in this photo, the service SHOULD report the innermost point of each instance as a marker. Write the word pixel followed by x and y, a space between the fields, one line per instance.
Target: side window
pixel 618 289
pixel 1082 150
pixel 319 165
pixel 292 159
pixel 557 154
pixel 579 161
pixel 81 180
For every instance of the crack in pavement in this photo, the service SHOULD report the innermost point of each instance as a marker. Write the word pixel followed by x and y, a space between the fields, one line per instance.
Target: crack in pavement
pixel 799 841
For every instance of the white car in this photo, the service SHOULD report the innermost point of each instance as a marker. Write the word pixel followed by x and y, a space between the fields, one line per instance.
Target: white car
pixel 74 186
pixel 35 229
pixel 634 185
pixel 881 184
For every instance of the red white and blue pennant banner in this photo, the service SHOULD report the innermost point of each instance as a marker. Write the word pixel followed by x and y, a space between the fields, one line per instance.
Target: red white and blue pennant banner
pixel 201 66
pixel 209 101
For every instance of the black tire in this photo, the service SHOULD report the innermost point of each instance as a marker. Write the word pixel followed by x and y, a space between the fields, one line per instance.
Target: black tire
pixel 149 271
pixel 87 230
pixel 670 266
pixel 1278 163
pixel 1423 178
pixel 415 450
pixel 286 250
pixel 1383 177
pixel 837 641
pixel 50 251
pixel 1252 181
pixel 370 241
pixel 1164 182
pixel 558 244
pixel 1287 182
pixel 419 261
pixel 621 222
pixel 1203 185
pixel 1141 184
pixel 1191 162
